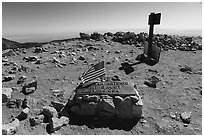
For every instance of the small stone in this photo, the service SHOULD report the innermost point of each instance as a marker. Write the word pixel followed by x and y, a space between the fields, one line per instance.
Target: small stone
pixel 36 120
pixel 117 51
pixel 93 98
pixel 143 121
pixel 28 102
pixel 11 128
pixel 57 105
pixel 8 78
pixel 49 112
pixel 6 94
pixel 64 120
pixel 186 117
pixel 172 115
pixel 22 79
pixel 11 104
pixel 28 91
pixel 81 58
pixel 134 99
pixel 19 103
pixel 23 115
pixel 30 87
pixel 58 92
pixel 117 100
pixel 152 82
pixel 55 124
pixel 30 58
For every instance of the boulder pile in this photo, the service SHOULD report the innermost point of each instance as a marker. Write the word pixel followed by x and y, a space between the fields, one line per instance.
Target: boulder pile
pixel 164 41
pixel 125 106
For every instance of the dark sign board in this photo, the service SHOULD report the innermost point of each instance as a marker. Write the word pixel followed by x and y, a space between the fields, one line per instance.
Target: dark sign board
pixel 154 19
pixel 109 87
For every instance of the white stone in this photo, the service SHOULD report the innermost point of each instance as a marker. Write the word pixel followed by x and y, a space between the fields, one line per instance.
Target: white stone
pixel 49 112
pixel 11 128
pixel 6 94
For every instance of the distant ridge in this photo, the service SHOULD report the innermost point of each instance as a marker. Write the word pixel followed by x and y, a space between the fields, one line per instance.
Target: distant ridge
pixel 9 44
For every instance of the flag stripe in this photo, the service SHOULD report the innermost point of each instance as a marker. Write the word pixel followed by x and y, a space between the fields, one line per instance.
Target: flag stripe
pixel 92 78
pixel 94 75
pixel 87 71
pixel 101 71
pixel 93 72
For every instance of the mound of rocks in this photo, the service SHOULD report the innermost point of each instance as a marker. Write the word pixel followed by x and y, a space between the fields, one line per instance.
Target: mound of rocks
pixel 84 36
pixel 107 100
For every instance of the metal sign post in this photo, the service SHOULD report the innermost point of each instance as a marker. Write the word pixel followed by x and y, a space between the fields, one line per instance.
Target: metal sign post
pixel 154 19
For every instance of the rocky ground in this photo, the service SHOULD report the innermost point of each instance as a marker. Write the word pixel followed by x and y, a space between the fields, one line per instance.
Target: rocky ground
pixel 52 70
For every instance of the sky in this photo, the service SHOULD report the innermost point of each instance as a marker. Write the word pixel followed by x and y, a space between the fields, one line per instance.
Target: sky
pixel 44 21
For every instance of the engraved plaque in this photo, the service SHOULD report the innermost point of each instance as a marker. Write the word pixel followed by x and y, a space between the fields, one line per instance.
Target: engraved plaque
pixel 108 87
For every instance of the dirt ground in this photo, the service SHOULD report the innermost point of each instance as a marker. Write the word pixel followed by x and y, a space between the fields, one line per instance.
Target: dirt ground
pixel 176 92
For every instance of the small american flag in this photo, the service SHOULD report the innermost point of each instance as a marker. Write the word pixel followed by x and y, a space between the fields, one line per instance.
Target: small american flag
pixel 94 72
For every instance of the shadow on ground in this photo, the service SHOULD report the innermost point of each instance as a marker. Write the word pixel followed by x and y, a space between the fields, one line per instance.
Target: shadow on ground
pixel 95 122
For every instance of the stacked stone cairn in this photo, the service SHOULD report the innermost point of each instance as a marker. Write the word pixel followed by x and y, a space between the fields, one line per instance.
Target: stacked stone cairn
pixel 105 105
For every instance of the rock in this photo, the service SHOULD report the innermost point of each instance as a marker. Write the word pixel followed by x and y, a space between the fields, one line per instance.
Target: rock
pixel 73 54
pixel 93 98
pixel 49 112
pixel 152 82
pixel 8 52
pixel 19 103
pixel 13 70
pixel 8 78
pixel 115 78
pixel 57 105
pixel 28 102
pixel 84 36
pixel 124 109
pixel 172 115
pixel 29 87
pixel 117 51
pixel 81 58
pixel 40 49
pixel 36 120
pixel 64 120
pixel 22 79
pixel 137 109
pixel 56 123
pixel 23 115
pixel 186 69
pixel 106 107
pixel 88 109
pixel 117 100
pixel 96 36
pixel 58 92
pixel 11 128
pixel 28 91
pixel 134 99
pixel 91 48
pixel 11 104
pixel 30 58
pixel 6 94
pixel 186 117
pixel 5 60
